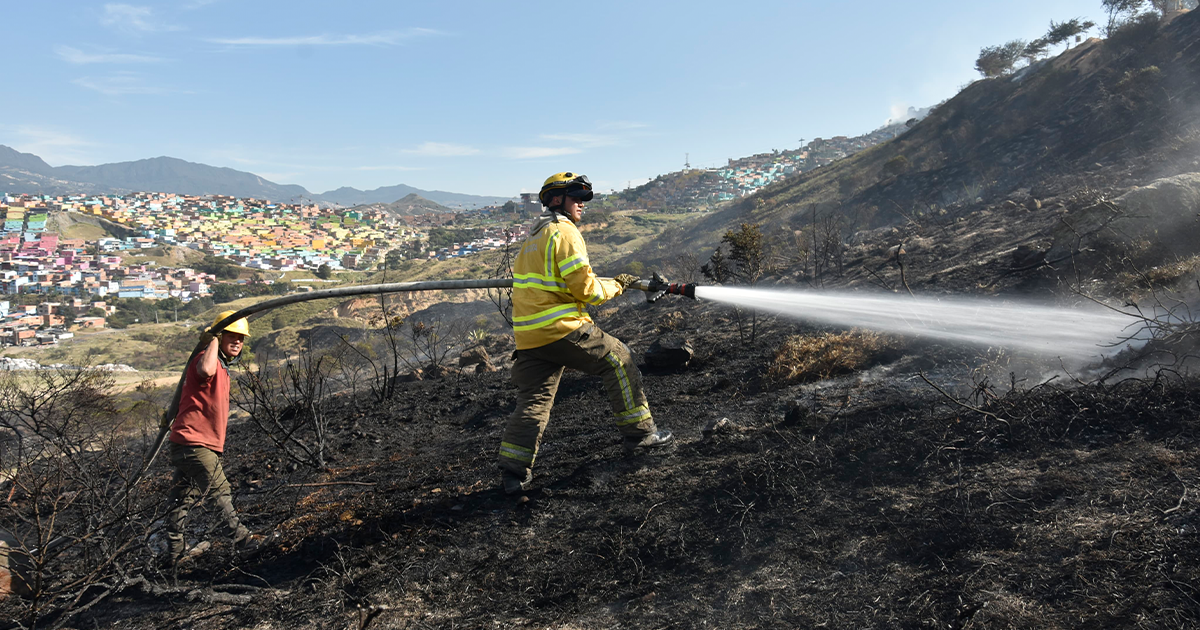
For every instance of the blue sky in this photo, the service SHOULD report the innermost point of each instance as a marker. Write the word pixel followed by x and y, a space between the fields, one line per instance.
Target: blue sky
pixel 479 97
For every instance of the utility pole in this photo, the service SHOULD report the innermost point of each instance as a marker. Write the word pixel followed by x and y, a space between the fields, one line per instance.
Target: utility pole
pixel 687 163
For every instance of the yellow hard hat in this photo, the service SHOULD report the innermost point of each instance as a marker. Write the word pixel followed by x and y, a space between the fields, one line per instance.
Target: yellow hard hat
pixel 573 184
pixel 240 326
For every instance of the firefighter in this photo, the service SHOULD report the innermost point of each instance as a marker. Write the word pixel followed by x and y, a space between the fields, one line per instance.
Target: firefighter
pixel 198 438
pixel 552 286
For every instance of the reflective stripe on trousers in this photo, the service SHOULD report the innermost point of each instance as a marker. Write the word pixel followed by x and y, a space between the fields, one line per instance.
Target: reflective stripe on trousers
pixel 537 373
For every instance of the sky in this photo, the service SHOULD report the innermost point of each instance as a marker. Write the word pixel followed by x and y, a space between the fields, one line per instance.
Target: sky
pixel 480 97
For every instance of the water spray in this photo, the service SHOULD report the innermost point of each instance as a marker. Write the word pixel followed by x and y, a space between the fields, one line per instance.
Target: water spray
pixel 1082 333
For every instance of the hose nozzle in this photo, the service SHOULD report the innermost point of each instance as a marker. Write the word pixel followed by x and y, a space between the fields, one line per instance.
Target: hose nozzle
pixel 658 286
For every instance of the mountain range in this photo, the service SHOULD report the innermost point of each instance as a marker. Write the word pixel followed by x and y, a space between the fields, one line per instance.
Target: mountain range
pixel 410 204
pixel 28 173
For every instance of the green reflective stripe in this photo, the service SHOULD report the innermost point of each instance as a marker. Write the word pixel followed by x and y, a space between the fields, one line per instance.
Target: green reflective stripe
pixel 519 453
pixel 544 318
pixel 542 314
pixel 633 416
pixel 567 266
pixel 599 296
pixel 550 255
pixel 619 368
pixel 534 274
pixel 537 281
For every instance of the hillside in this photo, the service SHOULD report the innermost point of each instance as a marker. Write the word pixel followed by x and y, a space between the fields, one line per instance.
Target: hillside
pixel 28 173
pixel 1105 114
pixel 347 196
pixel 76 225
pixel 822 477
pixel 694 189
pixel 162 255
pixel 411 204
pixel 860 498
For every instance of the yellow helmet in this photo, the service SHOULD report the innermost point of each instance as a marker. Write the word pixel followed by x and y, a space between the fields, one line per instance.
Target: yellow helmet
pixel 578 186
pixel 240 326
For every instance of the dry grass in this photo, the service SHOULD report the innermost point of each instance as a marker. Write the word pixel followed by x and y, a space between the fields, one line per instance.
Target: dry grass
pixel 805 358
pixel 1171 272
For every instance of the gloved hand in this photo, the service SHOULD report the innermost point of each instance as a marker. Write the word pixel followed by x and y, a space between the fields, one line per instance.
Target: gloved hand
pixel 625 280
pixel 206 336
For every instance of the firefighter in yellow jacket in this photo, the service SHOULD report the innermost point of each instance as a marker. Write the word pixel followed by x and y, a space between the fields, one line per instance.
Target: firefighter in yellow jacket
pixel 552 286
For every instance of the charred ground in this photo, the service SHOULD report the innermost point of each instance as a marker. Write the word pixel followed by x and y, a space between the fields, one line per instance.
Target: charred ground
pixel 925 486
pixel 865 500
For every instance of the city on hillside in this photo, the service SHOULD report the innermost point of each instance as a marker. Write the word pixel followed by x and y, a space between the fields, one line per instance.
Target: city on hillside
pixel 697 188
pixel 71 277
pixel 78 282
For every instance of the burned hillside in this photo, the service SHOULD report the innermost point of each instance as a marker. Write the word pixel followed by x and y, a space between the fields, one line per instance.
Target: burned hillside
pixel 1107 114
pixel 921 485
pixel 909 483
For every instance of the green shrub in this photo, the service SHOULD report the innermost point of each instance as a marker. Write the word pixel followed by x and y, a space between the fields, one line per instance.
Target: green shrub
pixel 896 166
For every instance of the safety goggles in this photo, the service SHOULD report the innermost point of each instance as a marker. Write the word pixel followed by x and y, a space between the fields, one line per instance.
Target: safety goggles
pixel 580 193
pixel 581 180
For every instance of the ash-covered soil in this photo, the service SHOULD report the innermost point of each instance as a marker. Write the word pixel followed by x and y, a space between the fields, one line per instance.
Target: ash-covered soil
pixel 931 486
pixel 869 500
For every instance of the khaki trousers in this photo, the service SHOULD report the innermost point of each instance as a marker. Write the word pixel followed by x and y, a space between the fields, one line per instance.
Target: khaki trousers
pixel 198 476
pixel 536 374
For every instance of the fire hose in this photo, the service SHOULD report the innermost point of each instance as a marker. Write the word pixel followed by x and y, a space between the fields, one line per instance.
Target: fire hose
pixel 655 288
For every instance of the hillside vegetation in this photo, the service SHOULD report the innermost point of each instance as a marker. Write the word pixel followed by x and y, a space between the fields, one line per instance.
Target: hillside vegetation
pixel 822 477
pixel 1105 114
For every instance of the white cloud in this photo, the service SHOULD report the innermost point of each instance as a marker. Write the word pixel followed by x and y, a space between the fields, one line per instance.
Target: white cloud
pixel 131 19
pixel 530 153
pixel 386 38
pixel 123 83
pixel 443 149
pixel 54 146
pixel 76 56
pixel 389 168
pixel 583 139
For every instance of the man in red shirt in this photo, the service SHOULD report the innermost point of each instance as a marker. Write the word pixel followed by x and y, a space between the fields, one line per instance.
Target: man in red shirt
pixel 198 439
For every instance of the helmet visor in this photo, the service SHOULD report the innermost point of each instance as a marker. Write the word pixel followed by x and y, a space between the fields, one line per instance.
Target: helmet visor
pixel 580 193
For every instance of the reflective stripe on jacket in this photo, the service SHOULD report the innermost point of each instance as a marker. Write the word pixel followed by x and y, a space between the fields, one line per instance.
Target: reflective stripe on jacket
pixel 553 283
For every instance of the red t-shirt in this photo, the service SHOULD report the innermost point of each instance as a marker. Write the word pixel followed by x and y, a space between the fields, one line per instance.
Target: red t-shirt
pixel 203 408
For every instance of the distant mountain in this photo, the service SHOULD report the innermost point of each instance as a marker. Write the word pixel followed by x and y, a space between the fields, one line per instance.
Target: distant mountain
pixel 411 204
pixel 24 161
pixel 346 196
pixel 28 173
pixel 171 175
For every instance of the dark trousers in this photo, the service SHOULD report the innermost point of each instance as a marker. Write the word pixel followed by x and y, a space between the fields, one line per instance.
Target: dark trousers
pixel 537 372
pixel 198 476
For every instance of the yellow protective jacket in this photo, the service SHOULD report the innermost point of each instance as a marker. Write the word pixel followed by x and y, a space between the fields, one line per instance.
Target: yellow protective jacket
pixel 553 283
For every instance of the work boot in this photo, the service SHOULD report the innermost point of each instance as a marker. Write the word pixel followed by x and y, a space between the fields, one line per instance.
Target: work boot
pixel 247 543
pixel 658 439
pixel 513 484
